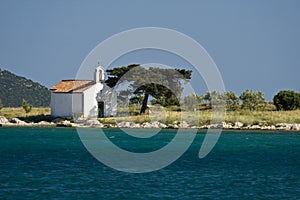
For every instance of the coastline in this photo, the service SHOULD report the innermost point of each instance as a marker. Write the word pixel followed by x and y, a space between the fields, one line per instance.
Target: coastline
pixel 94 123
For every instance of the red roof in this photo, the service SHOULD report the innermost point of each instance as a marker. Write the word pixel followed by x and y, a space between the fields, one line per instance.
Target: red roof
pixel 68 86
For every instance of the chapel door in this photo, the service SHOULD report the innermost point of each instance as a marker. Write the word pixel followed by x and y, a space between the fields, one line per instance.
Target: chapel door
pixel 100 109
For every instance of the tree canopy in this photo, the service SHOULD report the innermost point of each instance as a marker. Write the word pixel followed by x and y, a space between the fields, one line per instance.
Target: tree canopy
pixel 252 100
pixel 163 84
pixel 287 100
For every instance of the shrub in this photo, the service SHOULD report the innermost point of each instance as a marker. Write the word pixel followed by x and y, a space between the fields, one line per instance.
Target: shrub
pixel 287 100
pixel 26 106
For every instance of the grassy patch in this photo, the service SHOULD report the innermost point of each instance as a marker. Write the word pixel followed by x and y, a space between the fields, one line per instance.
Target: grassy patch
pixel 20 113
pixel 169 115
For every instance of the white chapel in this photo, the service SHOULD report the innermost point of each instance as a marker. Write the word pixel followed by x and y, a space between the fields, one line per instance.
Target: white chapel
pixel 83 98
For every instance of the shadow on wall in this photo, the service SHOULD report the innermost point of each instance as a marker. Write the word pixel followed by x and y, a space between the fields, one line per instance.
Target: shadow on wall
pixel 109 97
pixel 93 113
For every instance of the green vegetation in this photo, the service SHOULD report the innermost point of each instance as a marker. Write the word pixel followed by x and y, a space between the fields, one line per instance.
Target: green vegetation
pixel 14 88
pixel 287 100
pixel 26 106
pixel 229 99
pixel 1 105
pixel 232 101
pixel 164 85
pixel 252 100
pixel 169 115
pixel 247 117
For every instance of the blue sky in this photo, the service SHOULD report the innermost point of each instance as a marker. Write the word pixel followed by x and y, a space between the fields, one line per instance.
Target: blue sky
pixel 255 44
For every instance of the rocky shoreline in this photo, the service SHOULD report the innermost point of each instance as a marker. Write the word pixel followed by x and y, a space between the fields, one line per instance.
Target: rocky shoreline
pixel 175 125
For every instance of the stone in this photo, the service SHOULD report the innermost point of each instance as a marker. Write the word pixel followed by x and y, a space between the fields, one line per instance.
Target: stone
pixel 128 125
pixel 157 124
pixel 238 125
pixel 3 120
pixel 255 127
pixel 44 123
pixel 92 122
pixel 17 121
pixel 295 127
pixel 184 124
pixel 146 125
pixel 65 123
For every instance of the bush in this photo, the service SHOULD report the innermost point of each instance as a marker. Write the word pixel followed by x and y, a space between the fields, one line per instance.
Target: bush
pixel 1 105
pixel 287 100
pixel 252 100
pixel 26 106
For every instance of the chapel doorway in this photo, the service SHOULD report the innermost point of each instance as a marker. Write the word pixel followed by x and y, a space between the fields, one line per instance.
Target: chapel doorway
pixel 100 109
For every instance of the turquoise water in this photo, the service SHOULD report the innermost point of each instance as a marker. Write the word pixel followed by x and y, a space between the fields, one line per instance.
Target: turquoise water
pixel 52 163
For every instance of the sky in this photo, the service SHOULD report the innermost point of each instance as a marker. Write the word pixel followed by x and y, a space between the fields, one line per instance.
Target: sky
pixel 255 44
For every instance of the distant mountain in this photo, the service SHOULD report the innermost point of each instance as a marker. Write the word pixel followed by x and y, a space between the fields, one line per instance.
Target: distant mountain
pixel 14 88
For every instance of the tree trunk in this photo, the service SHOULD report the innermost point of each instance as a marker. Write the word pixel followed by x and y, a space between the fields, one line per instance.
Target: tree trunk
pixel 144 104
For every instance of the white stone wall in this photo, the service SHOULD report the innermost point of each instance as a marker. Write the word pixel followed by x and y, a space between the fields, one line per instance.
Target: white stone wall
pixel 65 104
pixel 90 103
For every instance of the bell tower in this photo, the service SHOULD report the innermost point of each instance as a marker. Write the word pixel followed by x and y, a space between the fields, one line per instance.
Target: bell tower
pixel 99 74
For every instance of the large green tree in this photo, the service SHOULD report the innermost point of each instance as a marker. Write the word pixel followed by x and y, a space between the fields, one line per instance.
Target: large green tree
pixel 252 100
pixel 160 83
pixel 287 100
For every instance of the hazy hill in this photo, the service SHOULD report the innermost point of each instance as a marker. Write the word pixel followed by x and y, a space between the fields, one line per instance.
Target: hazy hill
pixel 14 88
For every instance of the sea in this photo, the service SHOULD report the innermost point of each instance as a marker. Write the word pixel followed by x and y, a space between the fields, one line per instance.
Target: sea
pixel 53 163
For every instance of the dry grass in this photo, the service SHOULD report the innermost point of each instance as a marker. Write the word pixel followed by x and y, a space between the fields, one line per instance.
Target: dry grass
pixel 168 116
pixel 19 112
pixel 264 117
pixel 245 116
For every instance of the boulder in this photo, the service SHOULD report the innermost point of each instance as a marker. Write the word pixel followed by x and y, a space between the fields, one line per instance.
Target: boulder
pixel 255 127
pixel 184 124
pixel 92 122
pixel 17 121
pixel 146 125
pixel 65 123
pixel 44 123
pixel 3 120
pixel 157 124
pixel 238 125
pixel 128 125
pixel 295 127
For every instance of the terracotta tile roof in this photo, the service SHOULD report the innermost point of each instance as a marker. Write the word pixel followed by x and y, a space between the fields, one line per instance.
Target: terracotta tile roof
pixel 67 86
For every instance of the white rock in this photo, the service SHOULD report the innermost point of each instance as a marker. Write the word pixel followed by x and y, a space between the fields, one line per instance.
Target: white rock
pixel 157 124
pixel 238 124
pixel 17 121
pixel 44 123
pixel 184 124
pixel 3 120
pixel 146 125
pixel 128 125
pixel 92 122
pixel 255 127
pixel 65 123
pixel 295 127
